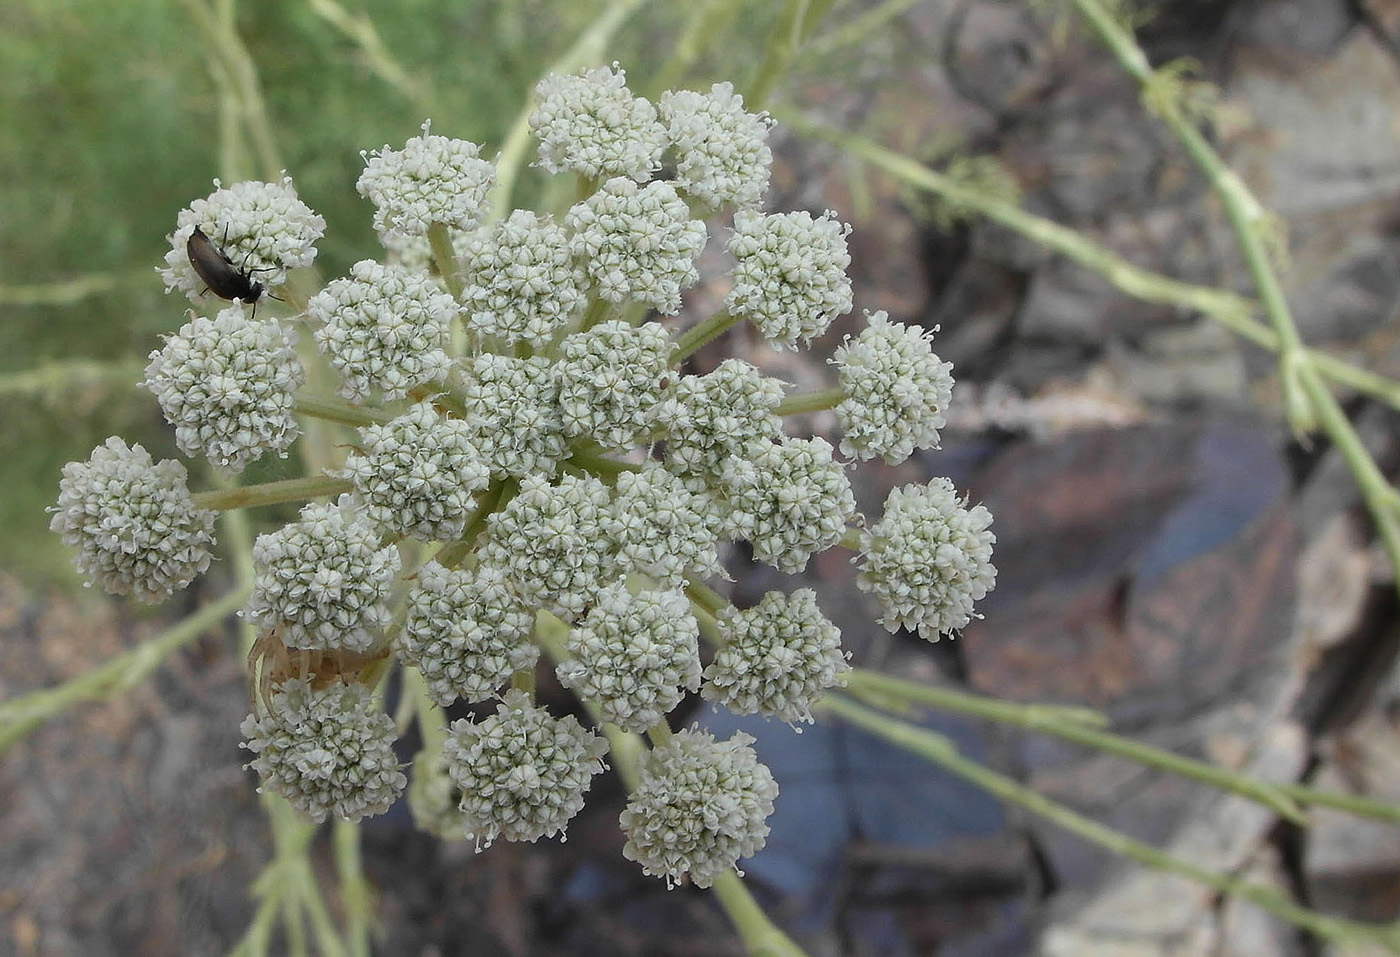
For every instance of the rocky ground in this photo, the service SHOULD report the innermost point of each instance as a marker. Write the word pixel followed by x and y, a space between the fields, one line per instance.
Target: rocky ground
pixel 1166 553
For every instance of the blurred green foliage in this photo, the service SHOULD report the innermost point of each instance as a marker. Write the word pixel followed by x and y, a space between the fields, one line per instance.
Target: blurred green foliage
pixel 112 124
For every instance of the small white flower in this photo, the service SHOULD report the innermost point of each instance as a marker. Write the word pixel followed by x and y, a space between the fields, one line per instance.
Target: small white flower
pixel 790 500
pixel 417 475
pixel 136 530
pixel 722 153
pixel 611 379
pixel 552 540
pixel 589 123
pixel 895 391
pixel 328 751
pixel 634 656
pixel 324 578
pixel 520 280
pixel 713 417
pixel 227 384
pixel 384 328
pixel 522 772
pixel 701 805
pixel 778 657
pixel 262 228
pixel 928 559
pixel 466 631
pixel 637 242
pixel 433 179
pixel 512 406
pixel 789 274
pixel 661 527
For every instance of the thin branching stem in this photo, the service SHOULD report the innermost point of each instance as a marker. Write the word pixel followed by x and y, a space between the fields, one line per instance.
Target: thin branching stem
pixel 942 752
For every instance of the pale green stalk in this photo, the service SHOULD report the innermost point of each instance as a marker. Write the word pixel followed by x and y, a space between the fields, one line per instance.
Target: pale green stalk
pixel 222 42
pixel 783 42
pixel 942 752
pixel 359 30
pixel 272 493
pixel 857 31
pixel 585 51
pixel 1071 724
pixel 445 258
pixel 20 716
pixel 67 292
pixel 355 891
pixel 340 411
pixel 701 333
pixel 1308 401
pixel 760 936
pixel 818 401
pixel 59 378
pixel 1230 310
pixel 703 31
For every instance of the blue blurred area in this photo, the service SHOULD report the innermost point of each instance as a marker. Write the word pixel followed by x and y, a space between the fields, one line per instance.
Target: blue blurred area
pixel 1238 474
pixel 839 784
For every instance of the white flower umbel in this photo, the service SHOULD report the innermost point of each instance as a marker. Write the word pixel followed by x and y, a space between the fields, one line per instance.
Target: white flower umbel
pixel 522 772
pixel 701 805
pixel 466 631
pixel 662 529
pixel 611 379
pixel 552 540
pixel 777 658
pixel 790 500
pixel 895 391
pixel 417 475
pixel 520 280
pixel 712 417
pixel 634 656
pixel 637 242
pixel 135 528
pixel 262 228
pixel 328 751
pixel 928 559
pixel 383 328
pixel 226 385
pixel 324 578
pixel 512 406
pixel 722 154
pixel 590 123
pixel 789 274
pixel 433 179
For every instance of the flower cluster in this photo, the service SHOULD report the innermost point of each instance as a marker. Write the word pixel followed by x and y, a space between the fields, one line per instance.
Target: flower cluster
pixel 528 466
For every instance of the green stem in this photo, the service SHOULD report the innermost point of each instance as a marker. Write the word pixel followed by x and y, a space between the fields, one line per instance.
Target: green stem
pixel 586 50
pixel 272 493
pixel 795 23
pixel 760 936
pixel 758 933
pixel 1307 399
pixel 594 461
pixel 1230 310
pixel 338 410
pixel 445 258
pixel 703 31
pixel 818 401
pixel 20 716
pixel 61 378
pixel 700 334
pixel 1071 724
pixel 941 751
pixel 856 31
pixel 355 895
pixel 598 310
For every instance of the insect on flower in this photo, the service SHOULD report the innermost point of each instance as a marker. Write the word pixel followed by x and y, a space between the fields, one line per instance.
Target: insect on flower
pixel 220 275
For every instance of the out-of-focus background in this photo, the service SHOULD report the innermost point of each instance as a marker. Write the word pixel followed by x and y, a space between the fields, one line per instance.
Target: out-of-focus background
pixel 1167 554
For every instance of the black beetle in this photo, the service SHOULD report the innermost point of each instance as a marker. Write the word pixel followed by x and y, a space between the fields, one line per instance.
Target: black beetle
pixel 220 275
